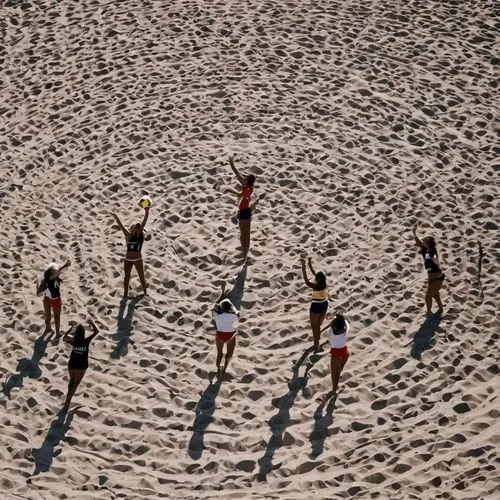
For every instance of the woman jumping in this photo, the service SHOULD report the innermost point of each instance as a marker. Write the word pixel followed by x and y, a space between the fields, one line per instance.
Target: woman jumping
pixel 226 318
pixel 50 286
pixel 245 211
pixel 134 238
pixel 435 275
pixel 79 358
pixel 319 302
pixel 337 335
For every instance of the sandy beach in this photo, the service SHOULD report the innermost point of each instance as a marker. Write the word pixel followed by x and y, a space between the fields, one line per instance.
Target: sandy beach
pixel 359 120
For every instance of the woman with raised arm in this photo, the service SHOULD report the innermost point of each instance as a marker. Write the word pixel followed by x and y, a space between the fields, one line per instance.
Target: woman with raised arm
pixel 338 330
pixel 245 211
pixel 435 275
pixel 134 238
pixel 50 287
pixel 226 318
pixel 79 358
pixel 319 302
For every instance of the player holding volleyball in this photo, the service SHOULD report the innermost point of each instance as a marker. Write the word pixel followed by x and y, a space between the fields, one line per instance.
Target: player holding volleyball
pixel 134 238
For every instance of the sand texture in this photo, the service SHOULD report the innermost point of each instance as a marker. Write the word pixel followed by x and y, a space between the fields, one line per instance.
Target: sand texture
pixel 359 119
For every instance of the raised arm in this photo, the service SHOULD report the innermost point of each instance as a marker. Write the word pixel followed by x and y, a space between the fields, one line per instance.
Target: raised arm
pixel 121 226
pixel 95 330
pixel 304 272
pixel 145 219
pixel 417 241
pixel 66 264
pixel 309 261
pixel 234 169
pixel 329 325
pixel 68 336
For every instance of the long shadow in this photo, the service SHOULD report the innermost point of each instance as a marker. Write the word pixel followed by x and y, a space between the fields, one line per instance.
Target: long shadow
pixel 236 294
pixel 45 455
pixel 479 271
pixel 124 327
pixel 321 424
pixel 279 422
pixel 424 335
pixel 204 411
pixel 27 367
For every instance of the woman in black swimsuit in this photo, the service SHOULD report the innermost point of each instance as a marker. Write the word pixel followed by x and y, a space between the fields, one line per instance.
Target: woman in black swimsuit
pixel 134 238
pixel 79 358
pixel 435 275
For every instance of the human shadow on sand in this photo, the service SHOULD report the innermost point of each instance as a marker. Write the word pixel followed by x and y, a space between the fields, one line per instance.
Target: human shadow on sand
pixel 321 424
pixel 424 336
pixel 204 416
pixel 124 327
pixel 44 456
pixel 236 294
pixel 279 422
pixel 28 367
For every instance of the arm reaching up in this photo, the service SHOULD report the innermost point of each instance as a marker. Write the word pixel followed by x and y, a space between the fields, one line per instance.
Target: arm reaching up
pixel 236 173
pixel 417 241
pixel 121 226
pixel 304 272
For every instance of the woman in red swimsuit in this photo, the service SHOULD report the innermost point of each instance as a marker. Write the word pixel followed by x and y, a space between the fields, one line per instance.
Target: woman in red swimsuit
pixel 245 211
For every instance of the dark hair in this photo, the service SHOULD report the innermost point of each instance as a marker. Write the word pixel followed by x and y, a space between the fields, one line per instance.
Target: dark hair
pixel 250 180
pixel 319 282
pixel 431 241
pixel 226 306
pixel 47 273
pixel 79 336
pixel 339 324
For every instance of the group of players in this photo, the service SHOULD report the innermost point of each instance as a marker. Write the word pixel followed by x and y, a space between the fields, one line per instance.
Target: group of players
pixel 225 313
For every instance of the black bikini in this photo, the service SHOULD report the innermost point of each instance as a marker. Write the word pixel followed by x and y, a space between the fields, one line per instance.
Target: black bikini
pixel 135 242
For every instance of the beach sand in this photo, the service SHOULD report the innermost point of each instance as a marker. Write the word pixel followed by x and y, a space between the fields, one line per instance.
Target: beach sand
pixel 359 119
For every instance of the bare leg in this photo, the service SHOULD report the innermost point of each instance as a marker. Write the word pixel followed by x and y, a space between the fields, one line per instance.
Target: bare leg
pixel 315 320
pixel 127 267
pixel 75 377
pixel 219 346
pixel 57 318
pixel 433 293
pixel 48 313
pixel 139 265
pixel 229 352
pixel 428 301
pixel 437 298
pixel 245 235
pixel 336 367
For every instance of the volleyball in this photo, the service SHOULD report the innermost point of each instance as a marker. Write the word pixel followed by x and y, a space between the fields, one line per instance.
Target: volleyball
pixel 145 202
